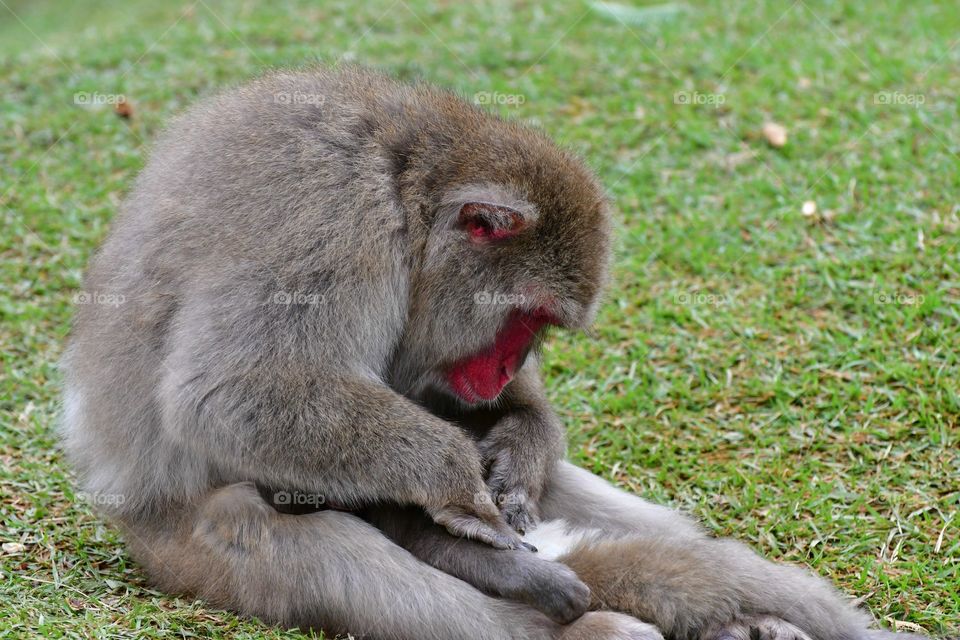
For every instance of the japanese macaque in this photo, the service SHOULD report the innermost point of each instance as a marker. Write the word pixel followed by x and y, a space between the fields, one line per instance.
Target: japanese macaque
pixel 323 277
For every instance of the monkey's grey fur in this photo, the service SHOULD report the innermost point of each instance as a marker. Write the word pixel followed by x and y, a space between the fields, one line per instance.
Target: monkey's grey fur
pixel 296 282
pixel 648 561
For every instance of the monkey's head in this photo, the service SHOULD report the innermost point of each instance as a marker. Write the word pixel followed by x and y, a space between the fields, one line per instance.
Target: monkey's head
pixel 518 241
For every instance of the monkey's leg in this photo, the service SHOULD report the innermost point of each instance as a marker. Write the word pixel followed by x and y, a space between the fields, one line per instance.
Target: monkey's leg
pixel 521 575
pixel 329 570
pixel 666 571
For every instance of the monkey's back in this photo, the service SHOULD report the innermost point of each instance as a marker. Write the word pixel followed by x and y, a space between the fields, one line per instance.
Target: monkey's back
pixel 282 187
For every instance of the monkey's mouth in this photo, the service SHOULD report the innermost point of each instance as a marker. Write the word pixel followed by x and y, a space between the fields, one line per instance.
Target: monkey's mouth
pixel 483 375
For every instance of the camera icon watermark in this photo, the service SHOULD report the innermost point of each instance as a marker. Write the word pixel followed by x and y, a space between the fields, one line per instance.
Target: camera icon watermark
pixel 98 297
pixel 299 97
pixel 501 500
pixel 107 500
pixel 714 100
pixel 700 298
pixel 499 99
pixel 899 98
pixel 95 98
pixel 498 298
pixel 299 499
pixel 297 298
pixel 899 298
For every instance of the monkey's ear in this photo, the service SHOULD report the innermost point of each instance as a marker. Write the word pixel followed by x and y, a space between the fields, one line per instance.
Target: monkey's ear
pixel 487 222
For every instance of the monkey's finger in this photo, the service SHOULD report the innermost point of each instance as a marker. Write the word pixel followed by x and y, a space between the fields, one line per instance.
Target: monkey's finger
pixel 508 533
pixel 509 494
pixel 466 525
pixel 498 535
pixel 483 532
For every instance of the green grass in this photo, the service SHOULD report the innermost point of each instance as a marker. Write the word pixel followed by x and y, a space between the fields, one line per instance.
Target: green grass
pixel 748 366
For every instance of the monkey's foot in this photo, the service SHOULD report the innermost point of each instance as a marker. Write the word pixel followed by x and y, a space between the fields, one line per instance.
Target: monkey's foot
pixel 758 628
pixel 607 625
pixel 550 587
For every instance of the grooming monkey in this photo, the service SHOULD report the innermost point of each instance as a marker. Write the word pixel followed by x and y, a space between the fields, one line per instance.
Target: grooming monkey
pixel 302 282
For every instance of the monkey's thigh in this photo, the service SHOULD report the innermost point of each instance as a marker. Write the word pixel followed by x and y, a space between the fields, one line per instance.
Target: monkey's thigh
pixel 328 570
pixel 663 569
pixel 586 500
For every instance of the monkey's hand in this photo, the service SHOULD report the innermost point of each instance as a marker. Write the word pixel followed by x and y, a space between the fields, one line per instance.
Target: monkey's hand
pixel 458 499
pixel 522 448
pixel 476 517
pixel 520 451
pixel 514 491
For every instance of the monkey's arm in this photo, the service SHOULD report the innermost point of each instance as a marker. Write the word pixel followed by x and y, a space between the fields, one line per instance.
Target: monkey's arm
pixel 521 575
pixel 263 405
pixel 522 447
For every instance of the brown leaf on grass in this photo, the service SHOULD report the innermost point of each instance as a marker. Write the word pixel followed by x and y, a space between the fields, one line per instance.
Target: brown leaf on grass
pixel 13 548
pixel 813 214
pixel 775 134
pixel 904 624
pixel 123 108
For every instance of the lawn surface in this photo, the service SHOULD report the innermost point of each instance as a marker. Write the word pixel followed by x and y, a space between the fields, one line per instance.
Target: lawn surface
pixel 790 379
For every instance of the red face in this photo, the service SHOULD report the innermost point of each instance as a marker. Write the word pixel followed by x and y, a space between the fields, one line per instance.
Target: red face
pixel 483 375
